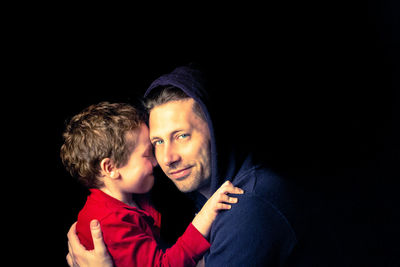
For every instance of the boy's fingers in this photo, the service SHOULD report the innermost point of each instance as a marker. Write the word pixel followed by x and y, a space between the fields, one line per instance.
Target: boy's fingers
pixel 233 190
pixel 232 200
pixel 239 190
pixel 227 199
pixel 227 187
pixel 223 206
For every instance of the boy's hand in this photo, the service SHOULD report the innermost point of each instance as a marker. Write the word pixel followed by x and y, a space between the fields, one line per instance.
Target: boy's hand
pixel 218 201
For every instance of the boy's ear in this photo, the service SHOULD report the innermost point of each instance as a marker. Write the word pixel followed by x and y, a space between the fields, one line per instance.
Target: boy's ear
pixel 108 168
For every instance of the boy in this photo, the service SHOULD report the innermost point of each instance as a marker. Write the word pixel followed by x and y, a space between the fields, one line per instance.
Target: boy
pixel 107 146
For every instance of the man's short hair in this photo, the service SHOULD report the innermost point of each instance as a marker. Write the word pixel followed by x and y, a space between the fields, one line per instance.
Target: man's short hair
pixel 164 94
pixel 99 132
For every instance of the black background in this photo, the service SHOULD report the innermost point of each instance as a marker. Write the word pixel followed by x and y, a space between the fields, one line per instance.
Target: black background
pixel 315 86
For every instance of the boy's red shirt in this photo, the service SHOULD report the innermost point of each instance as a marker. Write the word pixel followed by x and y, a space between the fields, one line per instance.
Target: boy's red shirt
pixel 131 234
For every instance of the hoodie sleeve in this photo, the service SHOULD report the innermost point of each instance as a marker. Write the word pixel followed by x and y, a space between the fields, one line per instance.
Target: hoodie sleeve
pixel 252 233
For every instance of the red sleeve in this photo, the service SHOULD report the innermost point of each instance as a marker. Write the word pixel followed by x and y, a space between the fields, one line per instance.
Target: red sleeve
pixel 130 242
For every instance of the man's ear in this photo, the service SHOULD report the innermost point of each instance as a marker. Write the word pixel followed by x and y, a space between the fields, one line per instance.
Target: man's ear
pixel 108 168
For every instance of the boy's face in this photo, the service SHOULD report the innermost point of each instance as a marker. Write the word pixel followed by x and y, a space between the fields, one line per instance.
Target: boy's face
pixel 182 144
pixel 137 173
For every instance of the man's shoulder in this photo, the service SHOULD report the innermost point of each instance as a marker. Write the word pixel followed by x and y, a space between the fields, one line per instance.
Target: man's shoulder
pixel 256 224
pixel 260 180
pixel 253 209
pixel 266 192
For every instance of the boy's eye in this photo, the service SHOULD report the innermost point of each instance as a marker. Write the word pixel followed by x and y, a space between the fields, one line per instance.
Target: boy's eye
pixel 149 152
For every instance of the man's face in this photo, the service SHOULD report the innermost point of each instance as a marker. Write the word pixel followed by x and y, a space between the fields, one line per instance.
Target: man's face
pixel 182 144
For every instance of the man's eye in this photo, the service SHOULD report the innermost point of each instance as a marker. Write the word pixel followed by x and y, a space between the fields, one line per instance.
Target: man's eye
pixel 183 136
pixel 158 142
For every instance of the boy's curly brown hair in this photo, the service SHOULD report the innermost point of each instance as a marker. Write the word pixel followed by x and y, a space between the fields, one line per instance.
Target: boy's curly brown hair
pixel 99 132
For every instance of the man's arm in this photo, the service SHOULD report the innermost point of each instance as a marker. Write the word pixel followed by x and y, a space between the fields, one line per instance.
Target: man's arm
pixel 79 256
pixel 252 233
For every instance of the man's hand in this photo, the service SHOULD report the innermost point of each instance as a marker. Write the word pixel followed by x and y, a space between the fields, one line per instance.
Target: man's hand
pixel 78 256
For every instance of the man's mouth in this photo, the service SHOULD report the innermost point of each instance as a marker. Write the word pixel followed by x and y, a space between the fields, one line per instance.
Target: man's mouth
pixel 181 173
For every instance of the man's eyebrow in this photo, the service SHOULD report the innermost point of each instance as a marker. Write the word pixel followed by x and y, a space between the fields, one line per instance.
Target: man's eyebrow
pixel 154 138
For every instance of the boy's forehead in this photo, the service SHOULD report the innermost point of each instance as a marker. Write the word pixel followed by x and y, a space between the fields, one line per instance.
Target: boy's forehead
pixel 139 137
pixel 136 134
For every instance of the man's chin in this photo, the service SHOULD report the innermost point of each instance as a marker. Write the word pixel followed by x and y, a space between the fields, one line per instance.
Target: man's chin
pixel 184 188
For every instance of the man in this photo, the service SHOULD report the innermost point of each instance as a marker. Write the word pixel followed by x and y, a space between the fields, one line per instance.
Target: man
pixel 192 150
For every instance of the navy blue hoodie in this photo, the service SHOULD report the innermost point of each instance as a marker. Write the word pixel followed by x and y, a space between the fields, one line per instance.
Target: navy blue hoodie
pixel 257 230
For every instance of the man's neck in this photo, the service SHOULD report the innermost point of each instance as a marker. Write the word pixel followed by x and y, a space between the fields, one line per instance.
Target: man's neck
pixel 205 191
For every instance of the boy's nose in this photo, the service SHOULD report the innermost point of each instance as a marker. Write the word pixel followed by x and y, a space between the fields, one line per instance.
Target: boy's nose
pixel 154 162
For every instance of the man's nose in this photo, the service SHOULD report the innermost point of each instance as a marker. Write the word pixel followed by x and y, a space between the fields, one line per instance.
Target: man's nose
pixel 171 156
